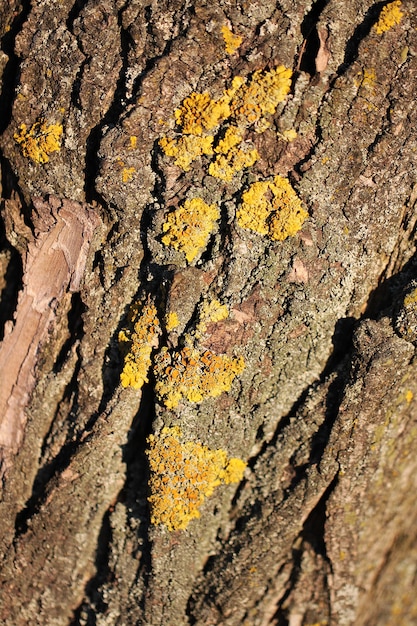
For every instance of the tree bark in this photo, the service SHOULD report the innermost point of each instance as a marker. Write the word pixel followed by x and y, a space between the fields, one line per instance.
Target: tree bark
pixel 101 101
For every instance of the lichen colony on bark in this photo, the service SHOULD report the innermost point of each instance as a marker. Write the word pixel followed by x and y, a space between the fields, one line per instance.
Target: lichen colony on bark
pixel 208 291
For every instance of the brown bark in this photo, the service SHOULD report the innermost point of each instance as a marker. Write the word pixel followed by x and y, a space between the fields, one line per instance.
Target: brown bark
pixel 321 530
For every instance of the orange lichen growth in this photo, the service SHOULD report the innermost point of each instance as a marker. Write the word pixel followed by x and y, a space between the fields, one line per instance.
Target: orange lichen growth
pixel 239 107
pixel 199 113
pixel 263 94
pixel 188 228
pixel 390 16
pixel 231 41
pixel 138 341
pixel 39 140
pixel 171 321
pixel 232 155
pixel 232 137
pixel 182 475
pixel 272 208
pixel 193 375
pixel 186 149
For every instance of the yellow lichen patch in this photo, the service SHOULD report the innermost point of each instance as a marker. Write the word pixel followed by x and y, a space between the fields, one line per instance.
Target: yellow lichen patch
pixel 263 94
pixel 186 149
pixel 133 141
pixel 188 228
pixel 127 174
pixel 39 140
pixel 272 208
pixel 231 41
pixel 171 321
pixel 288 135
pixel 369 78
pixel 240 106
pixel 232 137
pixel 200 113
pixel 390 16
pixel 410 300
pixel 210 312
pixel 182 475
pixel 213 311
pixel 194 375
pixel 139 340
pixel 236 160
pixel 232 155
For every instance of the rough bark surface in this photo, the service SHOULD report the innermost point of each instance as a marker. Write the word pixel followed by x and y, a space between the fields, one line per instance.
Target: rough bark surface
pixel 322 527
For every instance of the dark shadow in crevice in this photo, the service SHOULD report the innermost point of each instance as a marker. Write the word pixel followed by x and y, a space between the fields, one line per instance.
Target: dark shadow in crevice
pixel 311 46
pixel 313 534
pixel 11 70
pixel 387 298
pixel 13 282
pixel 361 31
pixel 121 104
pixel 134 498
pixel 87 613
pixel 75 328
pixel 48 470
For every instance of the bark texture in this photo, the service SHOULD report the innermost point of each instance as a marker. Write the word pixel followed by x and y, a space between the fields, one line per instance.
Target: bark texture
pixel 322 527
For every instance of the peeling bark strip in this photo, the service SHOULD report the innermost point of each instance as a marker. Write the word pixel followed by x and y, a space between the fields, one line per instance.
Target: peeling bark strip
pixel 54 264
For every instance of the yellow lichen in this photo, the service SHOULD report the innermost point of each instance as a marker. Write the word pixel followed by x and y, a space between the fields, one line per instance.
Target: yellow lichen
pixel 369 78
pixel 188 228
pixel 288 135
pixel 213 311
pixel 127 173
pixel 231 41
pixel 272 208
pixel 225 166
pixel 171 321
pixel 182 475
pixel 39 140
pixel 239 107
pixel 410 300
pixel 232 137
pixel 193 375
pixel 199 113
pixel 390 16
pixel 263 94
pixel 138 341
pixel 133 140
pixel 232 155
pixel 186 149
pixel 210 312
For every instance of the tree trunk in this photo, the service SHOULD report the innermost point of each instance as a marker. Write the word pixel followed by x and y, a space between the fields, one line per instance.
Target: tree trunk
pixel 209 313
